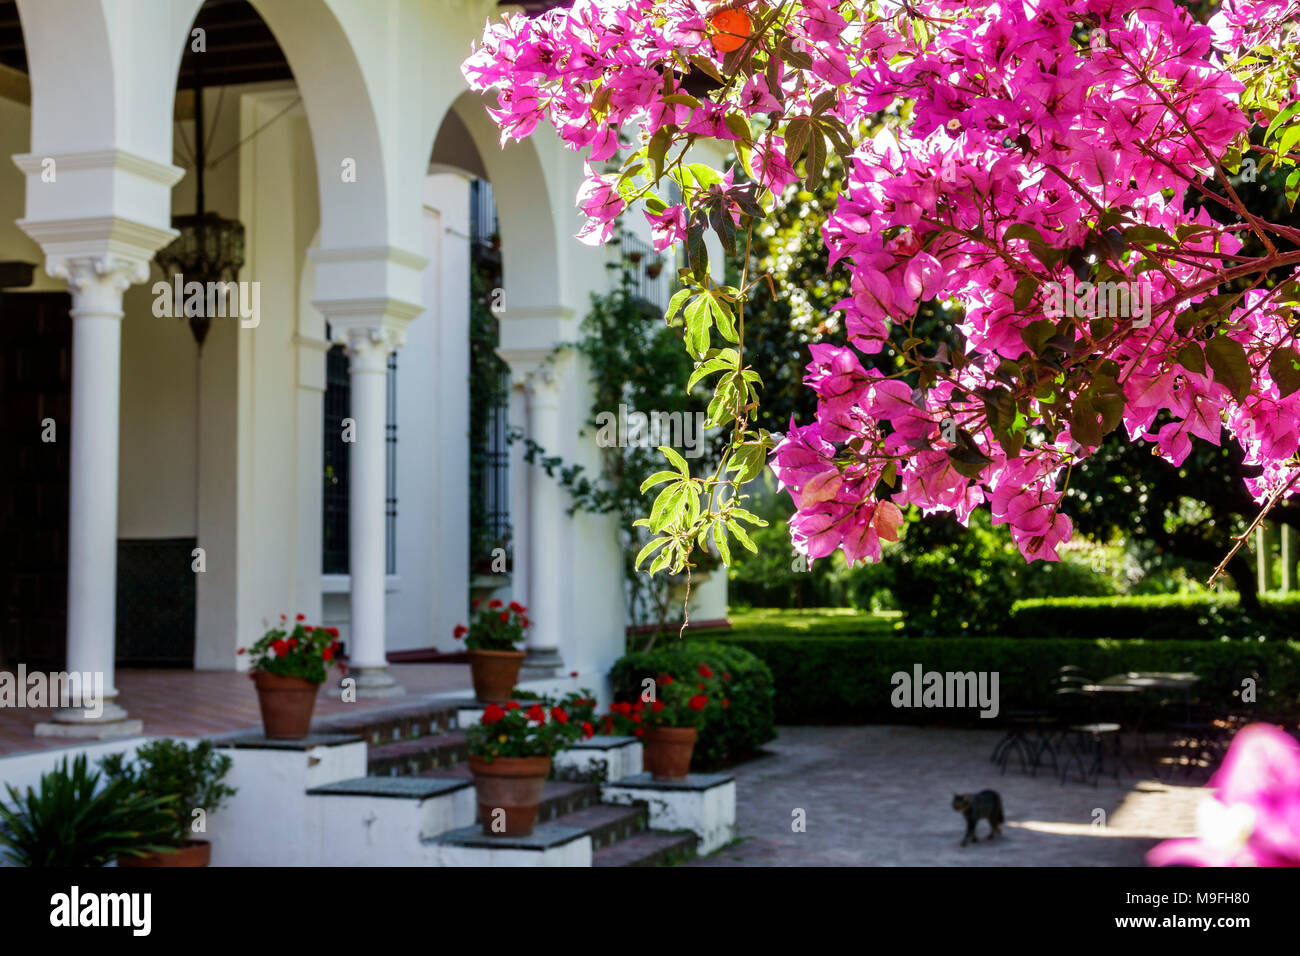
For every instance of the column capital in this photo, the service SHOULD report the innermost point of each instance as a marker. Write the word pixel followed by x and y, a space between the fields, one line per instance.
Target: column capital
pixel 531 370
pixel 369 346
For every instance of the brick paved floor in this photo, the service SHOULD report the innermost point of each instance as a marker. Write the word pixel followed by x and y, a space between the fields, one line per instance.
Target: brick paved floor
pixel 882 796
pixel 195 703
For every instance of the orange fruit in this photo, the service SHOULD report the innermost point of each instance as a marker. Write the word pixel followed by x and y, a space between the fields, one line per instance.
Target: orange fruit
pixel 733 29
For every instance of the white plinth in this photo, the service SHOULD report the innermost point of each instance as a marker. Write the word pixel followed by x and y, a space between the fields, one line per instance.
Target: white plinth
pixel 705 804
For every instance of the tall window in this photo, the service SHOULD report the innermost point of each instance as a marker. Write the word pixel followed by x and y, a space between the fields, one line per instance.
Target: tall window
pixel 334 499
pixel 489 488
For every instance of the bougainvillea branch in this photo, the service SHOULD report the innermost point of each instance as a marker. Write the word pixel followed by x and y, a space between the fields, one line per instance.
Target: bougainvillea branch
pixel 1029 164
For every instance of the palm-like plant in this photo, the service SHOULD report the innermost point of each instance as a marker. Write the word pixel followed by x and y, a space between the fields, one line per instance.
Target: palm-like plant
pixel 71 822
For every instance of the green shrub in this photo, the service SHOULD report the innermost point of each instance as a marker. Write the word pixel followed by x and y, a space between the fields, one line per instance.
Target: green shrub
pixel 71 821
pixel 170 768
pixel 1210 616
pixel 729 734
pixel 848 680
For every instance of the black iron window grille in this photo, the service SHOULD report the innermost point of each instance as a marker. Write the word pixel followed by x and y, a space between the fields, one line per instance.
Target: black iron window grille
pixel 334 497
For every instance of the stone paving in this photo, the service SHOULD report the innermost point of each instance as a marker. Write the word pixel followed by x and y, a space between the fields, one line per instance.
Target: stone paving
pixel 882 796
pixel 189 703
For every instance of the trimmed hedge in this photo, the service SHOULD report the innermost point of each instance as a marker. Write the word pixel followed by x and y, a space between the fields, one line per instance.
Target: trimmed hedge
pixel 821 680
pixel 728 735
pixel 1159 617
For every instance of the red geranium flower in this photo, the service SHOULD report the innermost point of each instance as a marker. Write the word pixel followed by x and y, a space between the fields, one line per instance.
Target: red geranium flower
pixel 512 705
pixel 306 629
pixel 494 604
pixel 328 653
pixel 573 673
pixel 705 671
pixel 242 650
pixel 461 631
pixel 639 732
pixel 492 713
pixel 560 715
pixel 656 706
pixel 332 631
pixel 505 616
pixel 475 603
pixel 300 617
pixel 516 607
pixel 697 702
pixel 665 679
pixel 725 702
pixel 281 647
pixel 535 713
pixel 525 622
pixel 293 642
pixel 587 730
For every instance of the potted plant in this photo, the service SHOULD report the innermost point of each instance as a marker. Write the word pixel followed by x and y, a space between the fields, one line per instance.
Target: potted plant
pixel 288 667
pixel 667 718
pixel 71 821
pixel 493 632
pixel 192 776
pixel 510 752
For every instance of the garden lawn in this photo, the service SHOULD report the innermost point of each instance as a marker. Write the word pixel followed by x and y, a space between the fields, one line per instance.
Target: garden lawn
pixel 767 622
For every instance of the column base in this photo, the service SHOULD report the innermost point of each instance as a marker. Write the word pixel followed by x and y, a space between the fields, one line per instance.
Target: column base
pixel 376 682
pixel 73 723
pixel 540 663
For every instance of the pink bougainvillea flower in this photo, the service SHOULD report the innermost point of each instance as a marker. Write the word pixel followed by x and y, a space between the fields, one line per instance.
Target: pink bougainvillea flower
pixel 1254 817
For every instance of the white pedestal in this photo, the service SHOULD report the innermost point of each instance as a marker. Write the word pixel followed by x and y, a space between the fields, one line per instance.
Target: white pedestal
pixel 702 803
pixel 601 758
pixel 388 821
pixel 269 821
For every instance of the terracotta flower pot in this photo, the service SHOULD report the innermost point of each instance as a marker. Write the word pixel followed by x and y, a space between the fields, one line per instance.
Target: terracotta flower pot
pixel 494 674
pixel 667 751
pixel 287 704
pixel 509 790
pixel 190 853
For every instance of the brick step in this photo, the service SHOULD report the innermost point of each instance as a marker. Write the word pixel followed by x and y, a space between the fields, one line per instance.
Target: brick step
pixel 383 725
pixel 410 758
pixel 648 848
pixel 558 798
pixel 607 824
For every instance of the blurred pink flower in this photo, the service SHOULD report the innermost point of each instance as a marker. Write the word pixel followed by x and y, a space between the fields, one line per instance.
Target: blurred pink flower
pixel 1254 818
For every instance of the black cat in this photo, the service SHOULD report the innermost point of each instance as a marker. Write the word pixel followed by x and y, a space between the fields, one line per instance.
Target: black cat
pixel 985 805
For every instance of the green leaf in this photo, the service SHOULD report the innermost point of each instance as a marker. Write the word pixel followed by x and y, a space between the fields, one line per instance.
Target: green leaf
pixel 741 535
pixel 1284 368
pixel 1192 358
pixel 1024 293
pixel 720 539
pixel 1231 368
pixel 658 478
pixel 653 545
pixel 723 319
pixel 698 322
pixel 1149 234
pixel 1280 120
pixel 675 304
pixel 658 148
pixel 678 461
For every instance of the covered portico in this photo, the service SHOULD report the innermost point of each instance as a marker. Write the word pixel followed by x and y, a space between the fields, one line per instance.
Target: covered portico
pixel 357 258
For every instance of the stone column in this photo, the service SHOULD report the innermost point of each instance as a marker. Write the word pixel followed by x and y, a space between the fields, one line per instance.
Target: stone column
pixel 368 351
pixel 520 474
pixel 547 507
pixel 96 285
